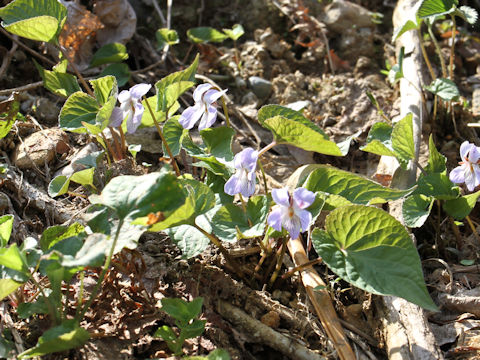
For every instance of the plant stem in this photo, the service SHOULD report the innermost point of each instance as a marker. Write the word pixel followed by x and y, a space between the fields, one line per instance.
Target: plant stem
pixel 124 141
pixel 244 207
pixel 96 289
pixel 266 148
pixel 474 230
pixel 439 51
pixel 264 176
pixel 109 147
pixel 225 112
pixel 51 307
pixel 425 55
pixel 215 241
pixel 75 69
pixel 118 147
pixel 80 293
pixel 279 263
pixel 301 267
pixel 452 48
pixel 164 141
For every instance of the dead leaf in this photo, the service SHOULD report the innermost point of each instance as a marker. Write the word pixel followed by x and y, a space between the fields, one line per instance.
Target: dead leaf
pixel 119 20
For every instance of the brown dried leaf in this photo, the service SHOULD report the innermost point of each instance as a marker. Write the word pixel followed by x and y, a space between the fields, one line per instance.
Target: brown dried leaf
pixel 78 34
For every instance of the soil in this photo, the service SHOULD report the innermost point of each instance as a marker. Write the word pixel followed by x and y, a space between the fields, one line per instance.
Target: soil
pixel 285 47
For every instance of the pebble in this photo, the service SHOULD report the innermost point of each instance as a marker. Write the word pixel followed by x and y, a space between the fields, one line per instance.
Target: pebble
pixel 261 88
pixel 342 15
pixel 40 148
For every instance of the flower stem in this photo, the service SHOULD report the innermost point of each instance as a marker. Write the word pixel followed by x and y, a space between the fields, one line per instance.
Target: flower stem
pixel 75 69
pixel 164 141
pixel 474 230
pixel 225 112
pixel 266 148
pixel 109 148
pixel 439 51
pixel 425 56
pixel 244 207
pixel 452 49
pixel 124 141
pixel 278 267
pixel 264 176
pixel 216 241
pixel 96 289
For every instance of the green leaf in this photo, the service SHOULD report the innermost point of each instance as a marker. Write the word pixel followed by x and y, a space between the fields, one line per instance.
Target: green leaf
pixel 58 186
pixel 436 7
pixel 166 333
pixel 468 14
pixel 461 207
pixel 104 88
pixel 147 119
pixel 120 71
pixel 379 140
pixel 166 37
pixel 194 329
pixel 162 85
pixel 55 234
pixel 34 19
pixel 205 34
pixel 446 89
pixel 416 209
pixel 6 225
pixel 25 310
pixel 136 196
pixel 8 286
pixel 436 161
pixel 438 186
pixel 402 138
pixel 7 347
pixel 407 26
pixel 173 92
pixel 352 187
pixel 189 240
pixel 92 253
pixel 58 82
pixel 83 177
pixel 78 108
pixel 12 258
pixel 217 354
pixel 200 199
pixel 182 310
pixel 219 141
pixel 68 335
pixel 174 133
pixel 134 149
pixel 235 32
pixel 372 250
pixel 110 53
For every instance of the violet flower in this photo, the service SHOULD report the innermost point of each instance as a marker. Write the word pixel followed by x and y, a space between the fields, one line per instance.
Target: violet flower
pixel 131 108
pixel 290 212
pixel 205 108
pixel 469 170
pixel 243 181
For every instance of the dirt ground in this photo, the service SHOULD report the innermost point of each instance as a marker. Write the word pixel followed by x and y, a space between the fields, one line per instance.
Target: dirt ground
pixel 283 60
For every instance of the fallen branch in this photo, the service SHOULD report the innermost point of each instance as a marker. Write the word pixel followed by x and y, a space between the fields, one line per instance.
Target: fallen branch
pixel 263 334
pixel 321 301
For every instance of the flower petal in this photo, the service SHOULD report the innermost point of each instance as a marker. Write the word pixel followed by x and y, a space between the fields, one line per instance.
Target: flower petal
pixel 247 159
pixel 457 175
pixel 190 116
pixel 213 95
pixel 199 91
pixel 116 119
pixel 474 154
pixel 275 218
pixel 137 91
pixel 292 225
pixel 305 218
pixel 303 198
pixel 281 197
pixel 208 118
pixel 231 186
pixel 124 96
pixel 469 178
pixel 136 119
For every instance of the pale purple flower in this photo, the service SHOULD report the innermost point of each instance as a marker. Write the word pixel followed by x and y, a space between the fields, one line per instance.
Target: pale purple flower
pixel 469 170
pixel 205 108
pixel 243 181
pixel 290 212
pixel 131 108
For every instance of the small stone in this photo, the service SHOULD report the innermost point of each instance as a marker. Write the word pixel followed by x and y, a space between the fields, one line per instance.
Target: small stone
pixel 261 87
pixel 342 15
pixel 46 111
pixel 40 148
pixel 271 319
pixel 240 83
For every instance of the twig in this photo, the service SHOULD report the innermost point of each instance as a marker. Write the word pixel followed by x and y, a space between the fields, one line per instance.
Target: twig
pixel 264 334
pixel 26 48
pixel 159 12
pixel 77 72
pixel 321 301
pixel 22 88
pixel 7 59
